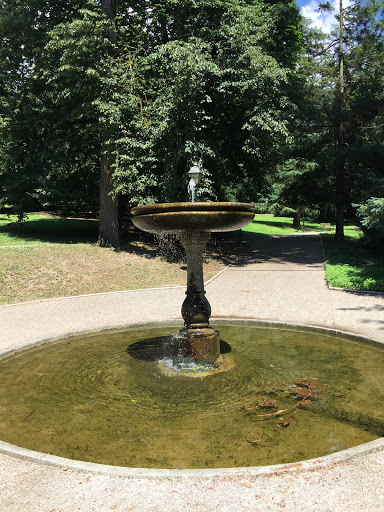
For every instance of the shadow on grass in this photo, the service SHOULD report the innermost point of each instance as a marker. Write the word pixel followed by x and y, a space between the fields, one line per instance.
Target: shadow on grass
pixel 53 230
pixel 64 231
pixel 363 266
pixel 353 233
pixel 233 248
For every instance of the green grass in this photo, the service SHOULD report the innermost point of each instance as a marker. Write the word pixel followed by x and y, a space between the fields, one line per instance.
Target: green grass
pixel 352 266
pixel 268 224
pixel 40 229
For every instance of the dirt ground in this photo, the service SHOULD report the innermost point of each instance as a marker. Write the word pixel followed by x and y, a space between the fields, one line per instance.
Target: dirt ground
pixel 57 270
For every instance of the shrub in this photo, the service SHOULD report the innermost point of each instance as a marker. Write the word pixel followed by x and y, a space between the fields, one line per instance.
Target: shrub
pixel 371 214
pixel 262 207
pixel 287 212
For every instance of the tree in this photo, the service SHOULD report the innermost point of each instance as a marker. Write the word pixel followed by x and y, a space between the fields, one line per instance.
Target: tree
pixel 56 111
pixel 302 180
pixel 50 79
pixel 216 78
pixel 183 80
pixel 339 126
pixel 339 133
pixel 109 228
pixel 372 220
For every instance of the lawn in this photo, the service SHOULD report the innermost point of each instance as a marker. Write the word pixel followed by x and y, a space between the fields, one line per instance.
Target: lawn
pixel 47 257
pixel 353 266
pixel 41 228
pixel 268 224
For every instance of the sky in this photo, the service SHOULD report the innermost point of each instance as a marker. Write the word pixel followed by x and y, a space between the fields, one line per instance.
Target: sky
pixel 321 20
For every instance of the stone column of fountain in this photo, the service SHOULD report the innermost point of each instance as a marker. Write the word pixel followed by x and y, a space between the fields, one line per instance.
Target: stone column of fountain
pixel 193 223
pixel 198 339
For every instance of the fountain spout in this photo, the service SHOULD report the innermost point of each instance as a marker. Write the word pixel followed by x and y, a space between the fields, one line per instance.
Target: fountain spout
pixel 194 174
pixel 192 191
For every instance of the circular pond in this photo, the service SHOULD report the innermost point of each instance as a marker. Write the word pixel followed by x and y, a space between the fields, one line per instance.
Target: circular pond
pixel 277 395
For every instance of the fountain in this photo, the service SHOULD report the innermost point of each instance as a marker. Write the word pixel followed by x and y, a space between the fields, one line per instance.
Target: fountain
pixel 289 393
pixel 193 224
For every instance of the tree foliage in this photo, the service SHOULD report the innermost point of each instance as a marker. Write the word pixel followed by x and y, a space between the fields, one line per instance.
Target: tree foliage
pixel 245 88
pixel 308 177
pixel 187 80
pixel 209 89
pixel 372 220
pixel 49 88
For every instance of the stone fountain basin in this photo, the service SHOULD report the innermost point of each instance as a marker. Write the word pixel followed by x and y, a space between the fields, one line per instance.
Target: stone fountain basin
pixel 174 217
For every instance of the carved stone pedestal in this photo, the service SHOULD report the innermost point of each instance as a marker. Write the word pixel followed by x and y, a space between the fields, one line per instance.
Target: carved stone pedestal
pixel 197 340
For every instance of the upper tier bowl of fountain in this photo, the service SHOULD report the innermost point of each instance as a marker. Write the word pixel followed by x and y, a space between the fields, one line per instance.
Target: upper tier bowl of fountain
pixel 197 216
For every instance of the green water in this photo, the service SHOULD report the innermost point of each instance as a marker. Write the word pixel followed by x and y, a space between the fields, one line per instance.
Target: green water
pixel 86 398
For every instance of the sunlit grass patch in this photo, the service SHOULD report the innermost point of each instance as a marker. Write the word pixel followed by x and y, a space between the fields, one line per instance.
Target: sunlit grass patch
pixel 268 224
pixel 352 266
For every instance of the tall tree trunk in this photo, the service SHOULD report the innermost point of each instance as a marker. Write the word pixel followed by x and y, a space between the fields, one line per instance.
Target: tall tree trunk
pixel 179 18
pixel 296 219
pixel 339 157
pixel 109 229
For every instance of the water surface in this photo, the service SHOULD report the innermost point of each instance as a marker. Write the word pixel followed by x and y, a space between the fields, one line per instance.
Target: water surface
pixel 286 396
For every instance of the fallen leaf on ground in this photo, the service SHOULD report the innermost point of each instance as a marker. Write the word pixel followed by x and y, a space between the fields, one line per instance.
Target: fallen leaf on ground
pixel 244 484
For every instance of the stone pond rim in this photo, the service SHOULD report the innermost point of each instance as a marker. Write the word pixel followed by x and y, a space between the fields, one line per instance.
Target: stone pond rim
pixel 199 216
pixel 303 464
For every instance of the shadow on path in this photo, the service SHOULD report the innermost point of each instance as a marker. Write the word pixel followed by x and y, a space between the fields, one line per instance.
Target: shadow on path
pixel 231 249
pixel 269 249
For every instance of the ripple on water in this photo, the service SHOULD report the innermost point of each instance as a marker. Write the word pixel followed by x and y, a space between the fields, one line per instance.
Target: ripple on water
pixel 275 396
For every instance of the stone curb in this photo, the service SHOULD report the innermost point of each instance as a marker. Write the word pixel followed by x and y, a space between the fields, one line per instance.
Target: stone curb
pixel 223 473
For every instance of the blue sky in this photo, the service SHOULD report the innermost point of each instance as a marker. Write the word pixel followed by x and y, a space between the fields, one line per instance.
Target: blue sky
pixel 321 20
